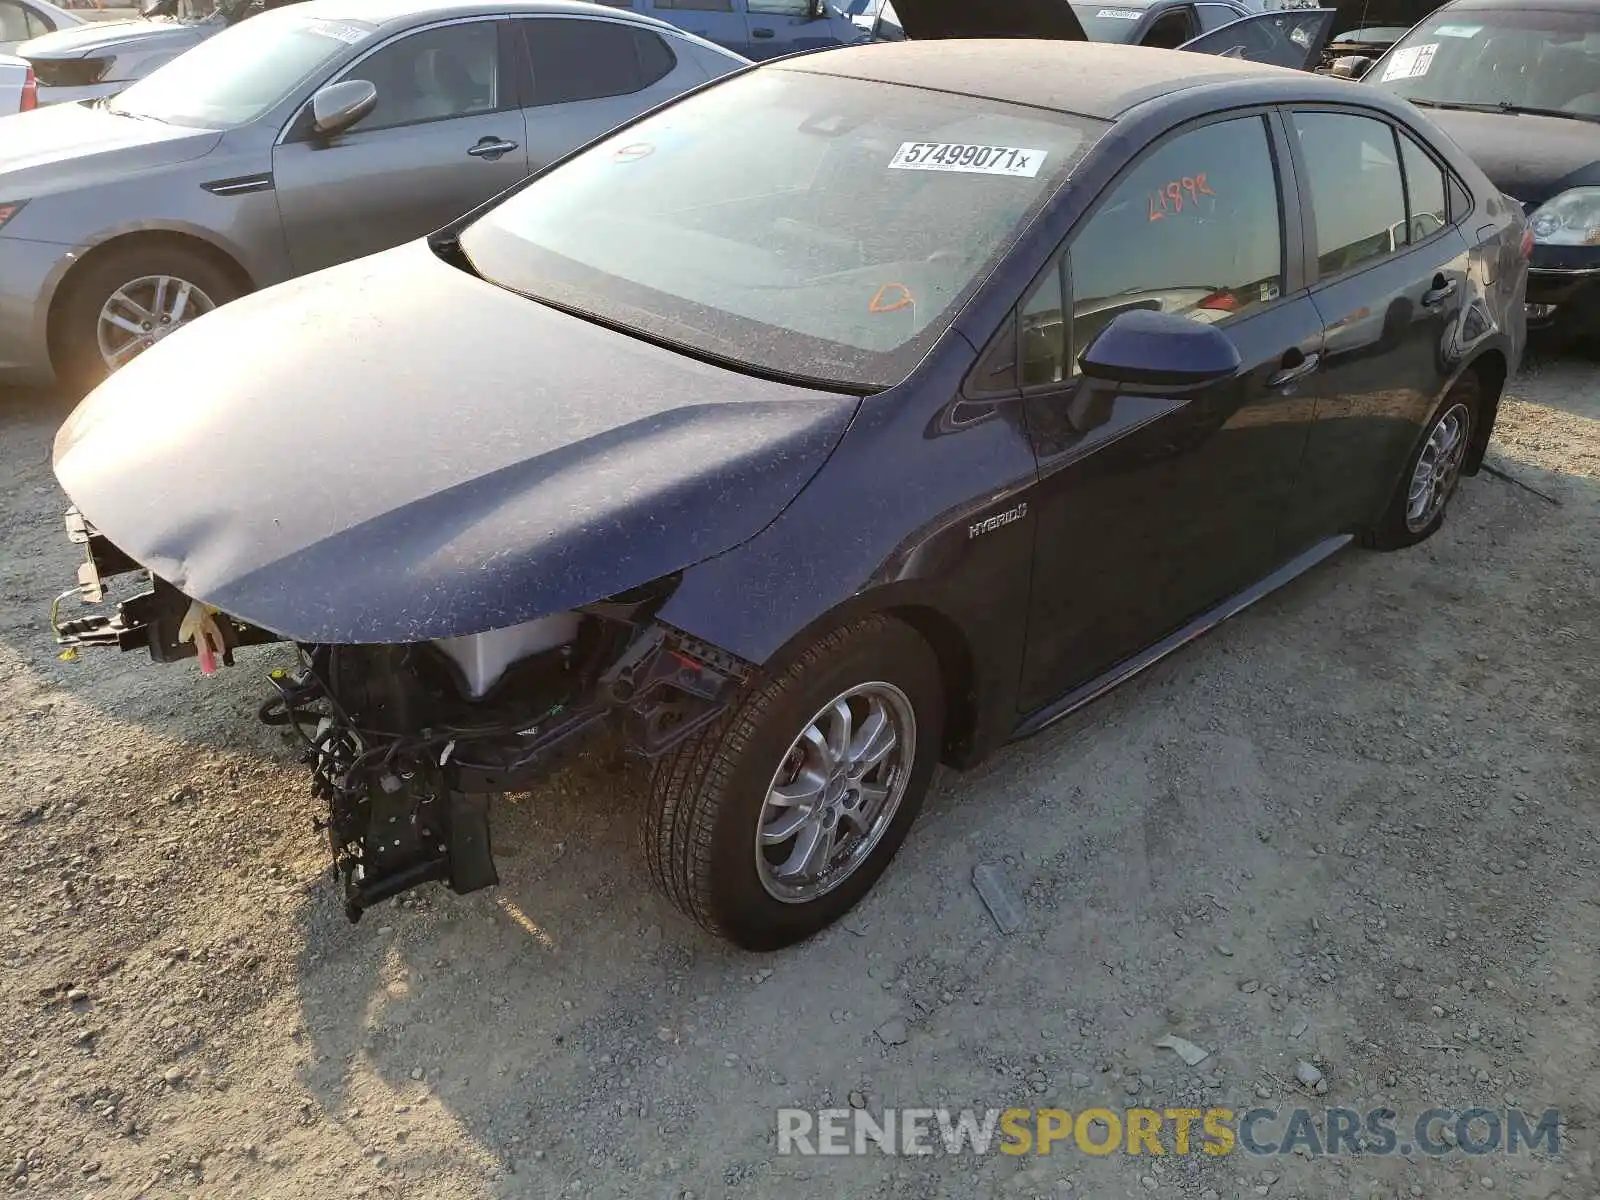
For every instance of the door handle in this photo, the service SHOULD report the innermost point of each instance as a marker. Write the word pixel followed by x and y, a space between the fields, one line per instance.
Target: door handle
pixel 1441 291
pixel 491 148
pixel 762 33
pixel 1291 374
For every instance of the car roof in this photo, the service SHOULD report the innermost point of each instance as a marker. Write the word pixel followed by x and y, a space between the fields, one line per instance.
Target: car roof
pixel 1091 79
pixel 408 12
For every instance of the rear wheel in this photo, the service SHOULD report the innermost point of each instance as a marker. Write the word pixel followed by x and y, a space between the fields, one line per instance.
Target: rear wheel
pixel 127 302
pixel 778 819
pixel 1434 470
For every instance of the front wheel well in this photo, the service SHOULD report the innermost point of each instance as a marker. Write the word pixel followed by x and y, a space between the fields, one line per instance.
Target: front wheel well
pixel 955 666
pixel 138 240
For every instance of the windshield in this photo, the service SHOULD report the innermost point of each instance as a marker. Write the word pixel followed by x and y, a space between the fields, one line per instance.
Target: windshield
pixel 1510 58
pixel 795 224
pixel 1109 22
pixel 241 73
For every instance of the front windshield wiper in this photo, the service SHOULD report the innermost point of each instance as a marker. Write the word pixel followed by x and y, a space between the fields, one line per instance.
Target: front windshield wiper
pixel 1505 106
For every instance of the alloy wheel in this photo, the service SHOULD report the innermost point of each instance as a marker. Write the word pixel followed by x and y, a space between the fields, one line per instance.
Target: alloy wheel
pixel 142 312
pixel 1438 468
pixel 836 792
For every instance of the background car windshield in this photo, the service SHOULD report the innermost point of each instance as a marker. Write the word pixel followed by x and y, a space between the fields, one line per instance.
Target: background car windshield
pixel 1109 22
pixel 794 223
pixel 240 73
pixel 1526 58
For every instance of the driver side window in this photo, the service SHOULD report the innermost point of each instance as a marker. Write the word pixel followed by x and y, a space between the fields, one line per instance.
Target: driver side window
pixel 448 71
pixel 1195 229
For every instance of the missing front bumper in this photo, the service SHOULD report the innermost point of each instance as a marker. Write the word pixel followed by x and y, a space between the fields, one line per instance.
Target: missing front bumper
pixel 152 618
pixel 404 756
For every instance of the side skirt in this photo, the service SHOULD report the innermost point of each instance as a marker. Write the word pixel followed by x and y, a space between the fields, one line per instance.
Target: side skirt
pixel 1129 667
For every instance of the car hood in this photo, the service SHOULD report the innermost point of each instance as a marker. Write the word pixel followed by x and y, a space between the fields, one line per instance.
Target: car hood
pixel 107 37
pixel 394 450
pixel 1529 158
pixel 932 19
pixel 64 146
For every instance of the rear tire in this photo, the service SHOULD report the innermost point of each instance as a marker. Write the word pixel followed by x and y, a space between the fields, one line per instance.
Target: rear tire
pixel 715 798
pixel 1433 472
pixel 85 337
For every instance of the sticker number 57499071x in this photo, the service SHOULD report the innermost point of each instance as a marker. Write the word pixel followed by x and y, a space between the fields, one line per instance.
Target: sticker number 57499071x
pixel 975 160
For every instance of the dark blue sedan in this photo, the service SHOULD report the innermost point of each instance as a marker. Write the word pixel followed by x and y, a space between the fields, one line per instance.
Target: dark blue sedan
pixel 863 411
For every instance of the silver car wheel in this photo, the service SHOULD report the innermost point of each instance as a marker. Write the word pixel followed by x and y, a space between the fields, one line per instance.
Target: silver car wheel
pixel 836 792
pixel 1438 468
pixel 142 312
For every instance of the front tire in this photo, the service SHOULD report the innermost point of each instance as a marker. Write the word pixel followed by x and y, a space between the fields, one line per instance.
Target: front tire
pixel 1433 471
pixel 127 301
pixel 775 821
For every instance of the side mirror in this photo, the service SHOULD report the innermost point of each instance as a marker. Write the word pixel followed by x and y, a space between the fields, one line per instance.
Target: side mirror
pixel 340 105
pixel 1157 348
pixel 1351 66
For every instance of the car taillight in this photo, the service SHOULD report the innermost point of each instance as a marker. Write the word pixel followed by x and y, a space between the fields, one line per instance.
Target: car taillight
pixel 30 92
pixel 1527 244
pixel 7 211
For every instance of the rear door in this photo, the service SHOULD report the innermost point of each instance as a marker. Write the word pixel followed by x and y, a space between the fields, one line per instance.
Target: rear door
pixel 1155 504
pixel 1390 266
pixel 1292 39
pixel 724 22
pixel 445 136
pixel 584 76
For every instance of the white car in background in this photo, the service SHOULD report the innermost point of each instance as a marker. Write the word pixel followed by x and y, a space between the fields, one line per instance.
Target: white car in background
pixel 24 20
pixel 18 92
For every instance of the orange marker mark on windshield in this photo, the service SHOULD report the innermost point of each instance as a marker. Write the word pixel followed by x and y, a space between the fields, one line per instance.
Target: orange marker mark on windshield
pixel 1172 198
pixel 891 297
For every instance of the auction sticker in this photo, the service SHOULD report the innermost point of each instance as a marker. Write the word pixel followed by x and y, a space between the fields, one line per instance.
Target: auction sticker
pixel 968 159
pixel 1411 63
pixel 348 34
pixel 1458 31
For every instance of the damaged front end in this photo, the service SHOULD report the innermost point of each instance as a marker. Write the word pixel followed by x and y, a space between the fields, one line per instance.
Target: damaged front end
pixel 407 744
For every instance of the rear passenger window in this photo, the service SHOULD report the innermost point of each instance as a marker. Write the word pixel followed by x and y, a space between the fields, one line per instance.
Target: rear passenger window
pixel 1427 209
pixel 591 59
pixel 1357 190
pixel 656 59
pixel 1195 229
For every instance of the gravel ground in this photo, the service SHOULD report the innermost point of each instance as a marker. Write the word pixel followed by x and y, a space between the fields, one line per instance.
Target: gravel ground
pixel 1355 828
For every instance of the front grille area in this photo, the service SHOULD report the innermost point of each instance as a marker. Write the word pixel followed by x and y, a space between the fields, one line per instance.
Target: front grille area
pixel 69 72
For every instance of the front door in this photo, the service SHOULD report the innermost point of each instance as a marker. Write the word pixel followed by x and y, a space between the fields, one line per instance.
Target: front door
pixel 446 135
pixel 724 22
pixel 1392 272
pixel 1156 504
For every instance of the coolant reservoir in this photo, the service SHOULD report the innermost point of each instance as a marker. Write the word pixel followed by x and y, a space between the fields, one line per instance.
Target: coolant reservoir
pixel 484 657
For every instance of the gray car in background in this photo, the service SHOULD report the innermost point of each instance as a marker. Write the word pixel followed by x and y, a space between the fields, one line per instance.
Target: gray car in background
pixel 302 138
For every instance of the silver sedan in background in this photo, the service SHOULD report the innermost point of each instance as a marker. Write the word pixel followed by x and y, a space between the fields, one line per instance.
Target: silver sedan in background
pixel 296 140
